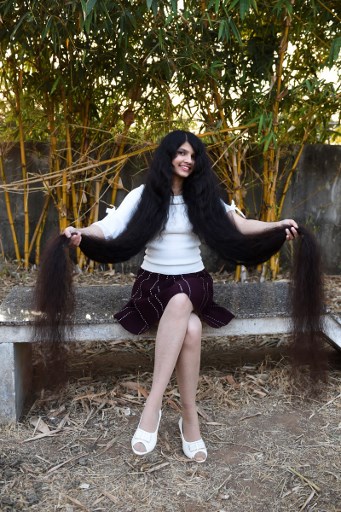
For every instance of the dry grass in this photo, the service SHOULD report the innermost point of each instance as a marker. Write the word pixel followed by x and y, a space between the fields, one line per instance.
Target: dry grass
pixel 270 446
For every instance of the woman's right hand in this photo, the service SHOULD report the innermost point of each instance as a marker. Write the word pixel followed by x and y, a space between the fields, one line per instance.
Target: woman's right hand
pixel 74 235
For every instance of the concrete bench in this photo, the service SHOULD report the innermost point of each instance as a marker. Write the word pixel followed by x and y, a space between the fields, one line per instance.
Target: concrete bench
pixel 260 308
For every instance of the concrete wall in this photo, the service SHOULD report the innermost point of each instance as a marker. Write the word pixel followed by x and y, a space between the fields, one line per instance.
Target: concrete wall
pixel 314 199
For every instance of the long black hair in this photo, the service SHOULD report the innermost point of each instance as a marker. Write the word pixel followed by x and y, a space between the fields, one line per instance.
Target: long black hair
pixel 205 210
pixel 207 215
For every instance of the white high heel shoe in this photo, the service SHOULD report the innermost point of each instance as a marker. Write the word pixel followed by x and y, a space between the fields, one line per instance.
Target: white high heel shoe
pixel 191 449
pixel 148 439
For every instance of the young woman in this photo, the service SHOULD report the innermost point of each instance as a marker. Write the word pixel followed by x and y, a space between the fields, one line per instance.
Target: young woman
pixel 178 207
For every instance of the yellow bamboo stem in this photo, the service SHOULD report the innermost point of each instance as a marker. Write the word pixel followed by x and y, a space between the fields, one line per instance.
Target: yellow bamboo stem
pixel 39 223
pixel 271 158
pixel 54 174
pixel 95 214
pixel 38 241
pixel 64 203
pixel 9 210
pixel 17 92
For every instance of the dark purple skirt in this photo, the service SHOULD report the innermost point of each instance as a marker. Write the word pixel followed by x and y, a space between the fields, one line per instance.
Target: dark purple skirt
pixel 151 292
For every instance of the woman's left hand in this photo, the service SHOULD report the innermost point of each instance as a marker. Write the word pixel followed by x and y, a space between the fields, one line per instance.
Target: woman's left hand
pixel 291 232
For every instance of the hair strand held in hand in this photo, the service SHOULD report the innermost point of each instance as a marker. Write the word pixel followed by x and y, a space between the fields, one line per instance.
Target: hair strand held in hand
pixel 307 303
pixel 54 301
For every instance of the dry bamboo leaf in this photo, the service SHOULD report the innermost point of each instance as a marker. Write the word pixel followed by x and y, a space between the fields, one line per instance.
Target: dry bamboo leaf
pixel 135 387
pixel 101 498
pixel 108 445
pixel 305 479
pixel 110 496
pixel 260 393
pixel 173 405
pixel 39 425
pixel 58 466
pixel 231 380
pixel 63 421
pixel 157 467
pixel 89 396
pixel 52 433
pixel 308 500
pixel 78 503
pixel 204 414
pixel 56 412
pixel 250 416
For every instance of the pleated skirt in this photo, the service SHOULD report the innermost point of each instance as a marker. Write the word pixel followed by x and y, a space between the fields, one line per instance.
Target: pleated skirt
pixel 151 293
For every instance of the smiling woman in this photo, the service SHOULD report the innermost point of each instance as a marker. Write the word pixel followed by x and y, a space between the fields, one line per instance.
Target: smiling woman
pixel 169 216
pixel 183 164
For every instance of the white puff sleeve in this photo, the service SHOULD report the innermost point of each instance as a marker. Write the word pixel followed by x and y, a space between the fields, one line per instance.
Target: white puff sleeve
pixel 117 219
pixel 233 208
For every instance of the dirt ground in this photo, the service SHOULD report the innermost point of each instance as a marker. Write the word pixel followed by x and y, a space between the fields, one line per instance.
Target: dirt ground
pixel 270 447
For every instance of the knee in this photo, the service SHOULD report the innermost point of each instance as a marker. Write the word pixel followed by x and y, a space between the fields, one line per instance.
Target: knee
pixel 194 330
pixel 180 303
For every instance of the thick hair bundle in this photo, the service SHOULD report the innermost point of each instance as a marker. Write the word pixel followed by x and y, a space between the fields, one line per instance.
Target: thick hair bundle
pixel 307 303
pixel 54 295
pixel 54 300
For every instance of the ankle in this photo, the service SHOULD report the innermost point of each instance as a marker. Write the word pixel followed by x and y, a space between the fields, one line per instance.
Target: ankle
pixel 149 419
pixel 189 414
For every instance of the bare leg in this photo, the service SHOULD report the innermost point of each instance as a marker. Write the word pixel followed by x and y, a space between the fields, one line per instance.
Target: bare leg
pixel 187 372
pixel 168 344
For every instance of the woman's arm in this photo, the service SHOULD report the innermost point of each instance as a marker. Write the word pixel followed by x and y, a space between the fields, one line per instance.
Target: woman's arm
pixel 254 227
pixel 112 224
pixel 75 234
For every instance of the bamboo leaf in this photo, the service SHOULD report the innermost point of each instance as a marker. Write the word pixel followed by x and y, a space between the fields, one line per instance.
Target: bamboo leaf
pixel 235 30
pixel 260 124
pixel 83 4
pixel 334 51
pixel 244 6
pixel 18 25
pixel 174 5
pixel 55 84
pixel 268 139
pixel 221 31
pixel 46 28
pixel 89 6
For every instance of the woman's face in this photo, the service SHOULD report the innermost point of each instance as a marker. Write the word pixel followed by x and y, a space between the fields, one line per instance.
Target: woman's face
pixel 184 160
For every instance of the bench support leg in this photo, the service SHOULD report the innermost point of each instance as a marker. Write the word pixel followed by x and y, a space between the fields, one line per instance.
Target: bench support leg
pixel 15 380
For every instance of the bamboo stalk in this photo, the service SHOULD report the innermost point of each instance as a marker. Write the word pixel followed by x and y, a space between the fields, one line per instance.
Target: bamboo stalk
pixel 9 210
pixel 53 159
pixel 40 222
pixel 95 215
pixel 17 93
pixel 271 157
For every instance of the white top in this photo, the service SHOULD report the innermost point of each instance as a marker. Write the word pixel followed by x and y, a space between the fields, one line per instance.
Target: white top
pixel 176 250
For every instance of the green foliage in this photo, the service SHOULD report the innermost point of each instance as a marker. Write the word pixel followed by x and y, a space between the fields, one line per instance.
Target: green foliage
pixel 210 62
pixel 93 77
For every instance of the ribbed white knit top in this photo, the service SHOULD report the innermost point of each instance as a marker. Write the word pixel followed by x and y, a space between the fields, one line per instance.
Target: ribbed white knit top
pixel 175 251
